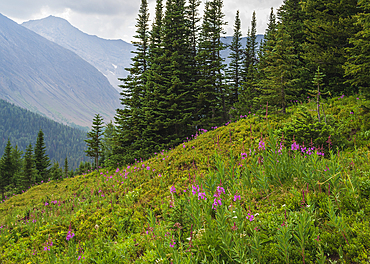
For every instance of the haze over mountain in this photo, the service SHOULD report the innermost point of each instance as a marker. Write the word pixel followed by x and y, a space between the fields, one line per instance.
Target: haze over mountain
pixel 110 57
pixel 43 77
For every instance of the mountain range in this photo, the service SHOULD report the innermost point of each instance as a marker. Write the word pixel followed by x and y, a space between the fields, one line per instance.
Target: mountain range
pixel 42 76
pixel 110 57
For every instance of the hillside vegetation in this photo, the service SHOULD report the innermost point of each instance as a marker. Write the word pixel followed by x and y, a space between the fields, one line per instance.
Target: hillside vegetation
pixel 236 194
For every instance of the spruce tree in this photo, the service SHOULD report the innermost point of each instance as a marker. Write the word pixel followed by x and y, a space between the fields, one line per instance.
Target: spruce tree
pixel 276 88
pixel 55 171
pixel 210 101
pixel 29 169
pixel 17 161
pixel 358 56
pixel 247 91
pixel 129 120
pixel 155 48
pixel 94 141
pixel 292 15
pixel 108 142
pixel 66 168
pixel 6 169
pixel 41 159
pixel 168 104
pixel 234 72
pixel 328 30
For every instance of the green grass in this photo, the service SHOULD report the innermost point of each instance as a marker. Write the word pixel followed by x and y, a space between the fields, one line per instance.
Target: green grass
pixel 305 209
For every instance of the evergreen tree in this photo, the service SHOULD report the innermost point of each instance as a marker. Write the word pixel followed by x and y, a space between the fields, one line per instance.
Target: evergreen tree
pixel 276 88
pixel 55 171
pixel 328 30
pixel 236 55
pixel 168 105
pixel 129 119
pixel 41 159
pixel 108 142
pixel 29 169
pixel 155 48
pixel 357 66
pixel 247 91
pixel 66 167
pixel 17 161
pixel 6 169
pixel 210 101
pixel 94 142
pixel 193 20
pixel 292 15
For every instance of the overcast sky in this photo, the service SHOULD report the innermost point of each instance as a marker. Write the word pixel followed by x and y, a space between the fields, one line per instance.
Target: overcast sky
pixel 116 19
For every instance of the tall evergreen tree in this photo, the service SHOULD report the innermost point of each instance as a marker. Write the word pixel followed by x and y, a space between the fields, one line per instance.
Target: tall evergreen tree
pixel 276 88
pixel 292 15
pixel 247 91
pixel 235 67
pixel 357 66
pixel 210 101
pixel 17 161
pixel 29 169
pixel 328 30
pixel 41 159
pixel 129 119
pixel 168 104
pixel 155 48
pixel 94 141
pixel 6 169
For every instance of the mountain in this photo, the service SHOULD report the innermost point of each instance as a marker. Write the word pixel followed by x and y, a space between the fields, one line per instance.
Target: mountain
pixel 110 57
pixel 46 78
pixel 21 127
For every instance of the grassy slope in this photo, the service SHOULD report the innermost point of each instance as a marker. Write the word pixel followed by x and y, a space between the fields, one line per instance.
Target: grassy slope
pixel 108 212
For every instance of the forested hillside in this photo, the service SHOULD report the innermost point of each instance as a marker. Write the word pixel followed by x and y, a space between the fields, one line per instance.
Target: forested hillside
pixel 179 82
pixel 21 127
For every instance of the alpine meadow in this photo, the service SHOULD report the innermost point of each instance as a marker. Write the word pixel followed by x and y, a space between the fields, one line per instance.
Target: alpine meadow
pixel 264 159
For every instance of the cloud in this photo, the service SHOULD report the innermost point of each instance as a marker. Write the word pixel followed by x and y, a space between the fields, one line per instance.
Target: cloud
pixel 116 19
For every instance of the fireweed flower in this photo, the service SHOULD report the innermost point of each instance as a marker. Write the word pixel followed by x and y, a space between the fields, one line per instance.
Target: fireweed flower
pixel 236 197
pixel 195 189
pixel 202 195
pixel 117 170
pixel 261 145
pixel 173 189
pixel 70 235
pixel 295 146
pixel 243 155
pixel 219 191
pixel 250 217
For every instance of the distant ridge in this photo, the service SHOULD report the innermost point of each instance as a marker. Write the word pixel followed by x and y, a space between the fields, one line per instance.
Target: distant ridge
pixel 44 77
pixel 110 57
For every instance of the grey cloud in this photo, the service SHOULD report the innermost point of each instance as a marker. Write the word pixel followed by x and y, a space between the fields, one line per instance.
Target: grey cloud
pixel 115 19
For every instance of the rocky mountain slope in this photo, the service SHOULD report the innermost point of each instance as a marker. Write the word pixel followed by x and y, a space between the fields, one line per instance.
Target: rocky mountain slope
pixel 110 57
pixel 46 78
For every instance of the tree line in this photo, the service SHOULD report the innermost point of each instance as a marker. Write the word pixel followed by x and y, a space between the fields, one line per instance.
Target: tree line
pixel 21 127
pixel 178 82
pixel 19 171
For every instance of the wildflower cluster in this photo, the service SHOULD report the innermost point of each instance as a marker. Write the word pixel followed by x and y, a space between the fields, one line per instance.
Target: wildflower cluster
pixel 70 235
pixel 218 200
pixel 196 190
